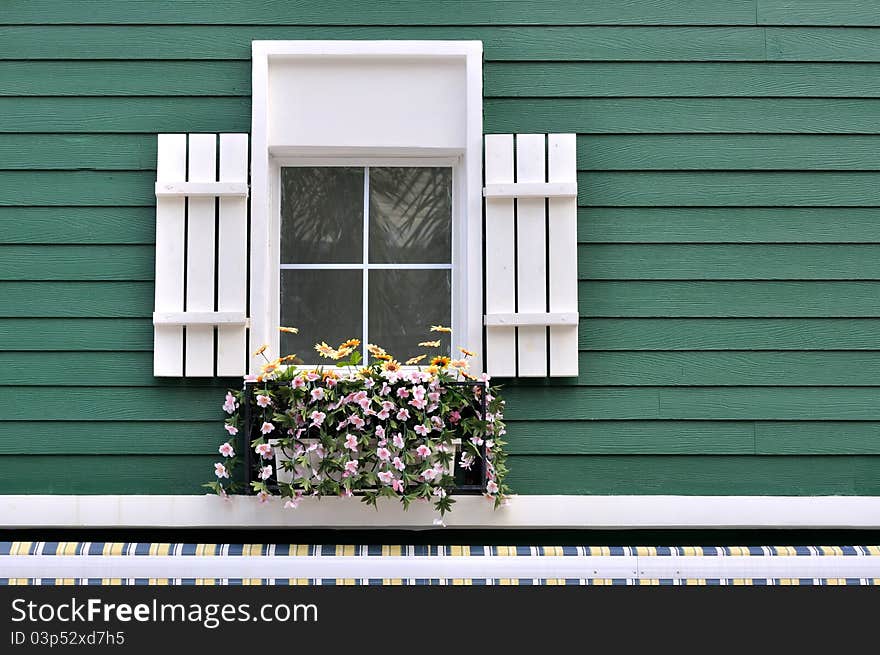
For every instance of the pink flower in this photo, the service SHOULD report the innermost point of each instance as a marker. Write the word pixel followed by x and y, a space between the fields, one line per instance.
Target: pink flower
pixel 293 503
pixel 383 415
pixel 384 454
pixel 418 403
pixel 387 405
pixel 438 422
pixel 440 492
pixel 263 496
pixel 347 493
pixel 385 389
pixel 341 425
pixel 397 485
pixel 418 392
pixel 356 421
pixel 397 440
pixel 317 417
pixel 264 450
pixel 250 377
pixel 398 464
pixel 380 432
pixel 434 396
pixel 330 382
pixel 226 450
pixel 351 442
pixel 230 404
pixel 267 427
pixel 298 383
pixel 265 472
pixel 317 394
pixel 263 401
pixel 351 468
pixel 386 477
pixel 311 376
pixel 429 474
pixel 492 487
pixel 490 444
pixel 454 416
pixel 231 429
pixel 403 415
pixel 364 403
pixel 423 451
pixel 477 441
pixel 403 393
pixel 220 470
pixel 467 461
pixel 421 430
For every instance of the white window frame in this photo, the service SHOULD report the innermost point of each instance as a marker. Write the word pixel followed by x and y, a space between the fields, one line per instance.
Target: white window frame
pixel 458 227
pixel 266 164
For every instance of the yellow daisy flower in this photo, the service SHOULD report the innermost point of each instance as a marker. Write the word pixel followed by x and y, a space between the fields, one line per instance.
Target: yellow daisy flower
pixel 351 343
pixel 441 360
pixel 430 344
pixel 467 353
pixel 261 349
pixel 391 365
pixel 289 358
pixel 415 360
pixel 289 330
pixel 375 350
pixel 459 364
pixel 432 369
pixel 326 351
pixel 384 356
pixel 440 328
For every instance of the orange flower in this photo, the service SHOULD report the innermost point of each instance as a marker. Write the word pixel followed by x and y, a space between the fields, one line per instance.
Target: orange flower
pixel 441 360
pixel 432 369
pixel 261 349
pixel 269 368
pixel 384 356
pixel 415 360
pixel 391 365
pixel 459 364
pixel 440 328
pixel 467 353
pixel 430 344
pixel 289 358
pixel 289 330
pixel 351 344
pixel 375 350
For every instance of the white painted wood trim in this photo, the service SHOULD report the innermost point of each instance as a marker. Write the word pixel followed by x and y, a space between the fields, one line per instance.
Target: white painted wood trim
pixel 550 318
pixel 201 189
pixel 441 566
pixel 342 48
pixel 199 318
pixel 531 190
pixel 534 512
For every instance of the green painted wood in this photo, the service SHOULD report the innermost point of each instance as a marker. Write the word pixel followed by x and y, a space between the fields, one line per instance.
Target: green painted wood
pixel 822 438
pixel 683 79
pixel 734 299
pixel 672 152
pixel 119 405
pixel 502 79
pixel 94 188
pixel 630 437
pixel 125 78
pixel 108 474
pixel 822 44
pixel 128 152
pixel 579 43
pixel 82 369
pixel 697 334
pixel 713 189
pixel 87 225
pixel 110 438
pixel 681 115
pixel 76 334
pixel 536 403
pixel 818 12
pixel 728 262
pixel 125 115
pixel 728 368
pixel 79 262
pixel 76 299
pixel 747 475
pixel 392 12
pixel 728 224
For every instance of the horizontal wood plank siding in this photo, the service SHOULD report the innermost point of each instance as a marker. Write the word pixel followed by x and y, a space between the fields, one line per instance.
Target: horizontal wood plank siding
pixel 728 229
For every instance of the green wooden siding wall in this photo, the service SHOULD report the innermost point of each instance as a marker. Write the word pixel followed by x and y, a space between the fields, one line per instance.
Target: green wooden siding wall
pixel 729 233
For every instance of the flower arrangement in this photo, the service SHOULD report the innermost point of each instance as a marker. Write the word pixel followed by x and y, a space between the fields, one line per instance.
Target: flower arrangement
pixel 377 430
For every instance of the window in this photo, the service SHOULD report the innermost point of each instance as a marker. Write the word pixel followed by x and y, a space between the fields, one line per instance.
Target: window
pixel 366 252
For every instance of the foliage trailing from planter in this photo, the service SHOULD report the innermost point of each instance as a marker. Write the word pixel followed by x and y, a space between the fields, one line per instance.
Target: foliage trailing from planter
pixel 379 431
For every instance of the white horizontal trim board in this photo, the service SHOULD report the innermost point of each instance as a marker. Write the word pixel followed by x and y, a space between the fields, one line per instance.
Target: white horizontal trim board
pixel 551 318
pixel 358 267
pixel 202 189
pixel 531 190
pixel 199 318
pixel 533 512
pixel 578 567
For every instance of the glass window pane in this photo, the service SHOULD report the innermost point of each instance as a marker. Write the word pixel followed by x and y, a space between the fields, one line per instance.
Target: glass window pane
pixel 324 305
pixel 404 304
pixel 322 215
pixel 410 215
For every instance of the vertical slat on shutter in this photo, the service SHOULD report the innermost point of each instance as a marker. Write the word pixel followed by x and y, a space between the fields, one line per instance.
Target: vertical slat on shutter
pixel 168 339
pixel 232 256
pixel 531 248
pixel 500 265
pixel 200 256
pixel 562 243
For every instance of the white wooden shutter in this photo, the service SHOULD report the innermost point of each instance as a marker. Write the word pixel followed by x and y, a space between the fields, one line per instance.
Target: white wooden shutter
pixel 531 255
pixel 200 314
